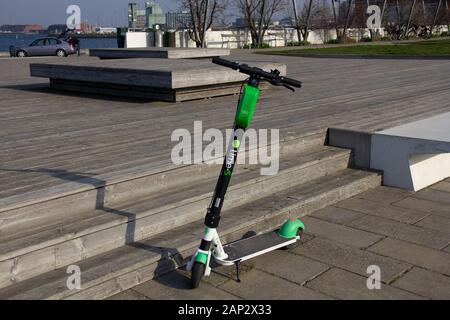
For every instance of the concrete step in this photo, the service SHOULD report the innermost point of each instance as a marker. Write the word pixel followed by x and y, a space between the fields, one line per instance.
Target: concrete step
pixel 111 272
pixel 79 197
pixel 30 253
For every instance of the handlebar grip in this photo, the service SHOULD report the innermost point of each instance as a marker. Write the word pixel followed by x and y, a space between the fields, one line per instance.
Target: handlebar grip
pixel 291 82
pixel 225 63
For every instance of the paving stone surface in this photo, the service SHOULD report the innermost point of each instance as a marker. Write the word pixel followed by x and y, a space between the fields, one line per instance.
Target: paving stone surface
pixel 438 261
pixel 385 195
pixel 128 295
pixel 339 233
pixel 342 284
pixel 441 186
pixel 176 286
pixel 351 259
pixel 337 215
pixel 438 208
pixel 426 283
pixel 405 234
pixel 434 195
pixel 383 210
pixel 435 222
pixel 263 286
pixel 290 266
pixel 387 227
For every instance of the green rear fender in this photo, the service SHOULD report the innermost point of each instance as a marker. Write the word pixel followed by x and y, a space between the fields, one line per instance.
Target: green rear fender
pixel 290 228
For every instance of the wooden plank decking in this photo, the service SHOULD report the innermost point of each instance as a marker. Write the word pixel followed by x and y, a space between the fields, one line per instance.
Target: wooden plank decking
pixel 53 143
pixel 164 53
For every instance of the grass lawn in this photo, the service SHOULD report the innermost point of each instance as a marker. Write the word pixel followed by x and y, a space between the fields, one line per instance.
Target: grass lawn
pixel 422 48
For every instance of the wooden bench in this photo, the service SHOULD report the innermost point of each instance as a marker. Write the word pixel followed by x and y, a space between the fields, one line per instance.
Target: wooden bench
pixel 155 79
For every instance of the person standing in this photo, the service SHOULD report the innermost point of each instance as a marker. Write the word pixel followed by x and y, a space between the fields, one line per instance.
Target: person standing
pixel 77 45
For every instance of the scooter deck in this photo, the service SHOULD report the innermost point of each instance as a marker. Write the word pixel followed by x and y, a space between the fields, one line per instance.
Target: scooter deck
pixel 248 248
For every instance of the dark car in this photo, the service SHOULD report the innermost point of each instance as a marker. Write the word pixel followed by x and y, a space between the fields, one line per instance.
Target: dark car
pixel 44 47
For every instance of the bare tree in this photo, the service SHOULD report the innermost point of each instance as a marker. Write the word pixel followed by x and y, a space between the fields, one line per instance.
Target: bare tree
pixel 435 18
pixel 336 22
pixel 258 15
pixel 447 18
pixel 308 17
pixel 203 14
pixel 347 17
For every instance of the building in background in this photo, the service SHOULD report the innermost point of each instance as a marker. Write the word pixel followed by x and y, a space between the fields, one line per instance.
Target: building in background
pixel 105 30
pixel 154 15
pixel 22 28
pixel 55 29
pixel 178 20
pixel 136 17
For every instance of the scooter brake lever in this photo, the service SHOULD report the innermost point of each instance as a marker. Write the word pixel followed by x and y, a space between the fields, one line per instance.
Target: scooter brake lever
pixel 288 87
pixel 279 84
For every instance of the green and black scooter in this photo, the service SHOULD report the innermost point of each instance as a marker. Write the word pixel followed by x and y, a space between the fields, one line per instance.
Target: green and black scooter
pixel 236 252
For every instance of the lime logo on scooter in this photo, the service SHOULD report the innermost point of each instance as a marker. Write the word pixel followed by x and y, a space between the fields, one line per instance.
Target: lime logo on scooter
pixel 231 158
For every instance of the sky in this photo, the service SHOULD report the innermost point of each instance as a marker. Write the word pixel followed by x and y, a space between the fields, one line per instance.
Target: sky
pixel 46 12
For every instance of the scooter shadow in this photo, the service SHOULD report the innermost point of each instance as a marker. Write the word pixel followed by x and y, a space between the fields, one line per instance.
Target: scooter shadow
pixel 179 278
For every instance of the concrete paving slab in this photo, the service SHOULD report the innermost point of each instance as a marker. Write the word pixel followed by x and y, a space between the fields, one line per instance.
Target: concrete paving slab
pixel 339 233
pixel 351 258
pixel 424 257
pixel 259 285
pixel 382 210
pixel 424 205
pixel 342 284
pixel 337 215
pixel 289 266
pixel 426 283
pixel 435 222
pixel 176 286
pixel 402 231
pixel 441 186
pixel 128 295
pixel 434 195
pixel 385 195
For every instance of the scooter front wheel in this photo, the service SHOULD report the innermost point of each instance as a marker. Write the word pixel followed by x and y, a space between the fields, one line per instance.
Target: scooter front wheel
pixel 198 270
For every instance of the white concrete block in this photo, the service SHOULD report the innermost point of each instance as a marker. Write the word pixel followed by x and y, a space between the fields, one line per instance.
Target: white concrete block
pixel 138 39
pixel 415 155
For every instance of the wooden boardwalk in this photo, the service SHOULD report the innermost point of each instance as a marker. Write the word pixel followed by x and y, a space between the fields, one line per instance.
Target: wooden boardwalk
pixel 53 143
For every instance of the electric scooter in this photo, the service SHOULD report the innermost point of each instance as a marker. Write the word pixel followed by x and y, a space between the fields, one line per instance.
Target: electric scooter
pixel 236 252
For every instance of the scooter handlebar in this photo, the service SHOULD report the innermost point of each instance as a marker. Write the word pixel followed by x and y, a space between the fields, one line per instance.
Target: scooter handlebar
pixel 226 63
pixel 273 77
pixel 291 82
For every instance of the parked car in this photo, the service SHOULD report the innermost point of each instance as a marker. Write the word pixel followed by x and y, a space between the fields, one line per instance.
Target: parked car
pixel 44 47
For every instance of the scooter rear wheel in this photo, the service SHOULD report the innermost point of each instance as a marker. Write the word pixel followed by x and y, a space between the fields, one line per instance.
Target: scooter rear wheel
pixel 197 273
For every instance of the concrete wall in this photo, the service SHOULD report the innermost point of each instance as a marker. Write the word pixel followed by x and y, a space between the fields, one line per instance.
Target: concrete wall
pixel 232 39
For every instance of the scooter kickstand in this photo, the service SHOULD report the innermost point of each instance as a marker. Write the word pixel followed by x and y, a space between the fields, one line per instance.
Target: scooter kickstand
pixel 238 266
